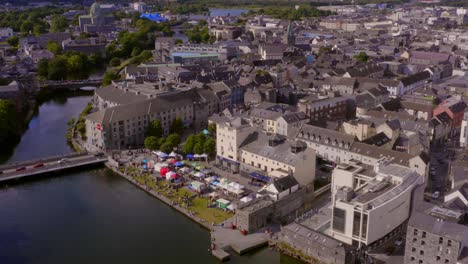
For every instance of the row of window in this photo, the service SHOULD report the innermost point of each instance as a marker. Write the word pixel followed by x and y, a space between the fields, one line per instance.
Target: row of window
pixel 420 261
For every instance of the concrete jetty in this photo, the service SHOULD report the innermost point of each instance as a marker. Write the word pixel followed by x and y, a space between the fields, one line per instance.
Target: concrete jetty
pixel 227 239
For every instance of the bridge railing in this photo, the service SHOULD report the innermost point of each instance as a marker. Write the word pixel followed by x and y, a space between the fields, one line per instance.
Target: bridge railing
pixel 40 160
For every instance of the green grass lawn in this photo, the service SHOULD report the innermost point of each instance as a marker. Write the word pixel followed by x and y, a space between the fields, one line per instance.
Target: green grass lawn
pixel 199 205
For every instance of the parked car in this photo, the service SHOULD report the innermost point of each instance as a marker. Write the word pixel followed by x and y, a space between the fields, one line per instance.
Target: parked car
pixel 21 169
pixel 38 165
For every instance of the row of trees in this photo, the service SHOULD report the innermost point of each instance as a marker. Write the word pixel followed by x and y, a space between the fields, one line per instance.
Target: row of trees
pixel 195 143
pixel 33 20
pixel 9 123
pixel 155 135
pixel 69 66
pixel 291 13
pixel 200 144
pixel 200 34
pixel 132 44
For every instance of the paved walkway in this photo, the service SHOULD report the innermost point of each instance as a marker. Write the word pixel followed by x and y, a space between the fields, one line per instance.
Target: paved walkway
pixel 225 237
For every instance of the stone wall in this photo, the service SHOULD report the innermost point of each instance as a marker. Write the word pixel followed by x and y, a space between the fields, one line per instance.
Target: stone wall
pixel 261 212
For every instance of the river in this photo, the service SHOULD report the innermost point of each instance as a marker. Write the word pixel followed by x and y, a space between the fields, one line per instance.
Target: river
pixel 92 216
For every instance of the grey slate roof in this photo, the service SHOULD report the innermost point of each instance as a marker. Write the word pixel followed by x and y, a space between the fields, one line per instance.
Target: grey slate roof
pixel 325 136
pixel 445 229
pixel 414 78
pixel 119 96
pixel 285 183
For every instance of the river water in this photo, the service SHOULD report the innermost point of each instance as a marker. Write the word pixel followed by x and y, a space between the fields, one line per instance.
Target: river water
pixel 92 216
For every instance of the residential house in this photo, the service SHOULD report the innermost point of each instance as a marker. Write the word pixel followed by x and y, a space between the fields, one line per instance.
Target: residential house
pixel 455 108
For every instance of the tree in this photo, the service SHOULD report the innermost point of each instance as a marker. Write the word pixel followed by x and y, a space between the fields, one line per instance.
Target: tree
pixel 57 69
pixel 78 66
pixel 155 129
pixel 39 28
pixel 59 23
pixel 212 129
pixel 198 148
pixel 135 52
pixel 42 68
pixel 173 140
pixel 8 122
pixel 162 141
pixel 199 138
pixel 13 41
pixel 202 22
pixel 53 47
pixel 26 26
pixel 210 147
pixel 151 143
pixel 362 57
pixel 114 62
pixel 166 147
pixel 189 143
pixel 177 126
pixel 178 42
pixel 109 77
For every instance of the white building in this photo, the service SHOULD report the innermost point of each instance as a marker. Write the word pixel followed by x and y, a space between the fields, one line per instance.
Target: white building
pixel 339 148
pixel 244 147
pixel 369 203
pixel 464 131
pixel 6 33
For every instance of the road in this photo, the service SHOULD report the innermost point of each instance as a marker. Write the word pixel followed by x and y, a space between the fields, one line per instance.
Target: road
pixel 50 166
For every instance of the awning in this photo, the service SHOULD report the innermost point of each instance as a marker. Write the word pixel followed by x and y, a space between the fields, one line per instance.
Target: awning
pixel 162 155
pixel 259 176
pixel 164 171
pixel 189 156
pixel 199 175
pixel 179 164
pixel 173 154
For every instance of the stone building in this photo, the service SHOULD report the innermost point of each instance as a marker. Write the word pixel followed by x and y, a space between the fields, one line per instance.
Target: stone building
pixel 434 240
pixel 319 247
pixel 125 125
pixel 99 20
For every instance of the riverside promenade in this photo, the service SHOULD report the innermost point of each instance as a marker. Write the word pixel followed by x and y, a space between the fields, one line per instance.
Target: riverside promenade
pixel 162 198
pixel 224 238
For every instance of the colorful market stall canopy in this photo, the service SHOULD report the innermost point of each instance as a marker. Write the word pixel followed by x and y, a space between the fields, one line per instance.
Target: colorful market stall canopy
pixel 156 17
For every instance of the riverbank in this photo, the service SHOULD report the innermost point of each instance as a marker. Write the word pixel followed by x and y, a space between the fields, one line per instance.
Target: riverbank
pixel 162 198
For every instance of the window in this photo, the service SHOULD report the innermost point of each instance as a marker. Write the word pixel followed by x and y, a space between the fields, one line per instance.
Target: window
pixel 415 232
pixel 424 234
pixel 420 261
pixel 438 258
pixel 412 258
pixel 449 243
pixel 423 242
pixel 441 240
pixel 447 261
pixel 413 249
pixel 421 252
pixel 339 220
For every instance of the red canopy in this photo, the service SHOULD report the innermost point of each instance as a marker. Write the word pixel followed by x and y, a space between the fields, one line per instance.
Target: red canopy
pixel 164 170
pixel 174 161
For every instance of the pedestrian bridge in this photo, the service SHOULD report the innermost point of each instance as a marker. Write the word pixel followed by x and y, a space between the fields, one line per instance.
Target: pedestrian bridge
pixel 86 85
pixel 48 165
